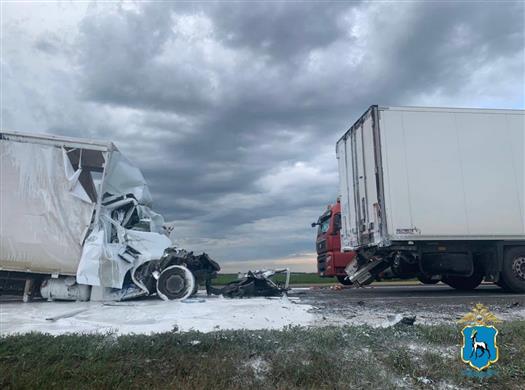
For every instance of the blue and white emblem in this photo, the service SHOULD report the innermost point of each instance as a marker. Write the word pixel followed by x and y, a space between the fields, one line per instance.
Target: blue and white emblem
pixel 479 346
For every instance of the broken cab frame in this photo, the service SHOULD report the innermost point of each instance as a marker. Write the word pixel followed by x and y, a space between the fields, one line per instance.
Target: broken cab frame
pixel 77 224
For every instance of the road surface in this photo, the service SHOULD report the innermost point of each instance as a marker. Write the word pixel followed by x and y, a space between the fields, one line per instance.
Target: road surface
pixel 429 303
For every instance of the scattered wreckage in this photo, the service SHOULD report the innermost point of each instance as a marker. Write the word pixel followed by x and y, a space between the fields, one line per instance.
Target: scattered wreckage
pixel 77 224
pixel 254 284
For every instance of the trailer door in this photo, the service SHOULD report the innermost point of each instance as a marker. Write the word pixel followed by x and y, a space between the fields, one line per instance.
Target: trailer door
pixel 348 237
pixel 367 179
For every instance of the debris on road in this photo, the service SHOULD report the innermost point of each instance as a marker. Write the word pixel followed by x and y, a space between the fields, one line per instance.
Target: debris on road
pixel 66 315
pixel 253 284
pixel 407 320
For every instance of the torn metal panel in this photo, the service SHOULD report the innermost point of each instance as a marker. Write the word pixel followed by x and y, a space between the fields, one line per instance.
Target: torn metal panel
pixel 129 232
pixel 127 236
pixel 122 177
pixel 83 168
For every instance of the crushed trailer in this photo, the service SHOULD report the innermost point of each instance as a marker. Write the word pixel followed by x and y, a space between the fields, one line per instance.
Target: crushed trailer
pixel 77 224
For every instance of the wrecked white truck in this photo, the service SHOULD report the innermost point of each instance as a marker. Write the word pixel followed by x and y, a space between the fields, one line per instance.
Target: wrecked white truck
pixel 76 224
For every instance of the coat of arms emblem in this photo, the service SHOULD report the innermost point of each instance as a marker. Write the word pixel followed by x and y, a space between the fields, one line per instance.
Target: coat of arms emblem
pixel 479 348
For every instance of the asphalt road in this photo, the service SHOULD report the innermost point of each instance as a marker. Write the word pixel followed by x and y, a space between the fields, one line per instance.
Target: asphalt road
pixel 427 301
pixel 438 294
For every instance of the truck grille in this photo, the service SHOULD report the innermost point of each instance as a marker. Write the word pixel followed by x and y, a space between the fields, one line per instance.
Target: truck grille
pixel 321 263
pixel 321 246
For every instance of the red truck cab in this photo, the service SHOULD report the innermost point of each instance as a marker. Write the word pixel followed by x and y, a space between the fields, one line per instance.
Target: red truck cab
pixel 330 260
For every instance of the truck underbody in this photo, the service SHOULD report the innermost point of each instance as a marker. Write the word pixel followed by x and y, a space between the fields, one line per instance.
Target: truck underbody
pixel 460 264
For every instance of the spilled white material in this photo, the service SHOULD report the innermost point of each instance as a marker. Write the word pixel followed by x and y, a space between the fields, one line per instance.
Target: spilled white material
pixel 153 316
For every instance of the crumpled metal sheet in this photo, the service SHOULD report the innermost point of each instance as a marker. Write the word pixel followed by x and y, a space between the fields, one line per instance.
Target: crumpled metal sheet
pixel 75 208
pixel 127 235
pixel 122 177
pixel 79 207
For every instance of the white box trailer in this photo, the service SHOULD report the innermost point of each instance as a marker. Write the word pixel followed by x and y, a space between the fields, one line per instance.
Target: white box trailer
pixel 435 192
pixel 76 213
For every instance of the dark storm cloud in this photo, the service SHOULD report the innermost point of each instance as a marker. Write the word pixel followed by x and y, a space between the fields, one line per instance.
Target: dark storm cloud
pixel 232 110
pixel 444 44
pixel 279 29
pixel 253 94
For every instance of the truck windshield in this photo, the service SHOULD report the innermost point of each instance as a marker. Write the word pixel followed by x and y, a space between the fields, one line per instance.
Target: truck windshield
pixel 323 226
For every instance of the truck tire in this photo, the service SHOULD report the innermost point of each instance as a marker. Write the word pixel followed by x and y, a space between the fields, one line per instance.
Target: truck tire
pixel 195 289
pixel 513 271
pixel 426 279
pixel 344 280
pixel 175 283
pixel 464 283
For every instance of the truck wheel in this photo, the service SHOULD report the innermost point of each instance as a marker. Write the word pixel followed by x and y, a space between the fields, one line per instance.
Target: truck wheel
pixel 195 289
pixel 464 283
pixel 175 282
pixel 344 280
pixel 513 272
pixel 426 279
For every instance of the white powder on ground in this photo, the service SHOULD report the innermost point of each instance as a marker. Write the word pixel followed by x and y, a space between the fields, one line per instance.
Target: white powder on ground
pixel 153 316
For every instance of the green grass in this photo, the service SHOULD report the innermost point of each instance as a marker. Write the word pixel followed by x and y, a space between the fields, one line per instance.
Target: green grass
pixel 295 358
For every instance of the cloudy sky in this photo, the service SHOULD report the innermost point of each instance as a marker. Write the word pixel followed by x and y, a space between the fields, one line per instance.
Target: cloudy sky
pixel 232 110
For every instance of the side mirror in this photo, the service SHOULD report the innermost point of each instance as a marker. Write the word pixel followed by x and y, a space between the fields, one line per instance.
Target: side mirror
pixel 314 224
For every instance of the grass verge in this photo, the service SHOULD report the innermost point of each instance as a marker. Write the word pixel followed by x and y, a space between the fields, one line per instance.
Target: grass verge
pixel 295 358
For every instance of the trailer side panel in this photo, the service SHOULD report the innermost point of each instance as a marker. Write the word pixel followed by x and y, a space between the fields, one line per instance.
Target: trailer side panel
pixel 41 223
pixel 453 174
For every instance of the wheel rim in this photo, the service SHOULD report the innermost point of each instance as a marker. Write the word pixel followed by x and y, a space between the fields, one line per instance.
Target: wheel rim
pixel 518 267
pixel 174 284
